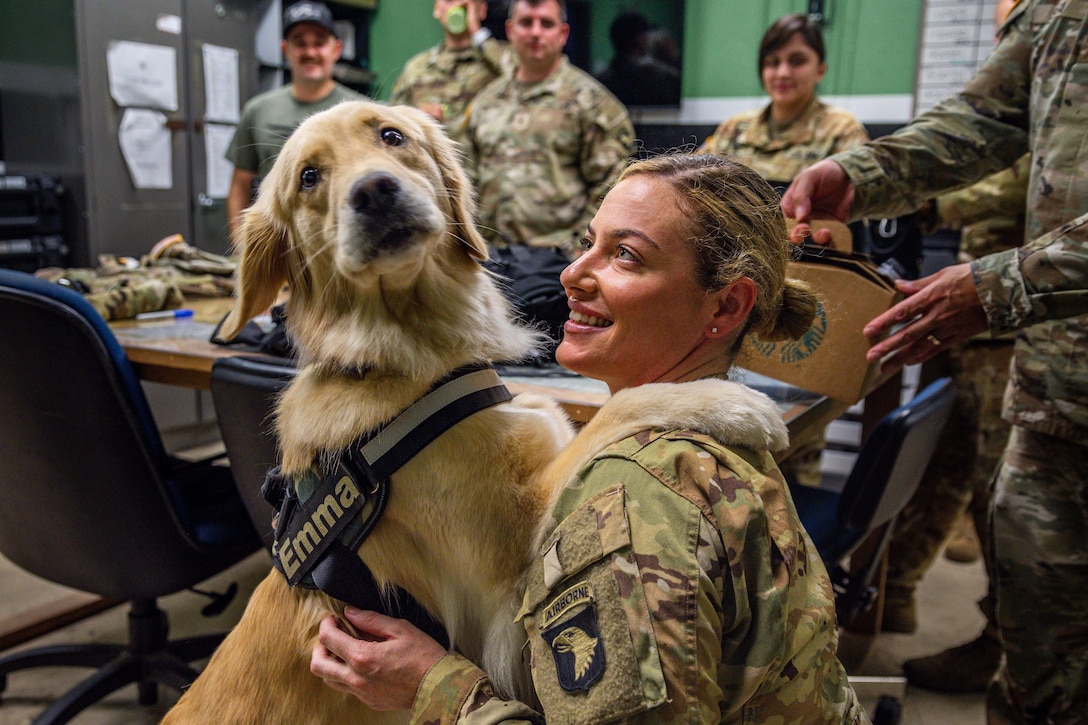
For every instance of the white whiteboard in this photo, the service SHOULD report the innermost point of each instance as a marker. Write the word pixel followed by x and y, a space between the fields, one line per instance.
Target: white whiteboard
pixel 956 37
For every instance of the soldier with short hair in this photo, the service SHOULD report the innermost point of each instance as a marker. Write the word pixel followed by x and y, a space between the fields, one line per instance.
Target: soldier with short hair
pixel 444 79
pixel 544 144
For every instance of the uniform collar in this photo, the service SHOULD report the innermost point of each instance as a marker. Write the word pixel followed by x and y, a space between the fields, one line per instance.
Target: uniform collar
pixel 548 86
pixel 798 131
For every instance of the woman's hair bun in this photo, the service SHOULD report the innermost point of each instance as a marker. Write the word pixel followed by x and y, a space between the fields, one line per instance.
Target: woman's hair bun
pixel 795 314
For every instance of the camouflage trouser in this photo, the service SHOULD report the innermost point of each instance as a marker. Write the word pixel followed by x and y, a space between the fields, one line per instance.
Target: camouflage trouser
pixel 959 475
pixel 1040 547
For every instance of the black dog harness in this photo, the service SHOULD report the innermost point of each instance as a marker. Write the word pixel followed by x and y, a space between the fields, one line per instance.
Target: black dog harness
pixel 325 514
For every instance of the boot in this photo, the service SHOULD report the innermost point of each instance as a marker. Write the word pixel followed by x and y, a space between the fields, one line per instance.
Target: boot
pixel 967 668
pixel 963 546
pixel 900 614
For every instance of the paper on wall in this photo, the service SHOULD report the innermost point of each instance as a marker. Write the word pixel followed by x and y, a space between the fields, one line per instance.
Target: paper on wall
pixel 217 137
pixel 145 145
pixel 221 84
pixel 141 74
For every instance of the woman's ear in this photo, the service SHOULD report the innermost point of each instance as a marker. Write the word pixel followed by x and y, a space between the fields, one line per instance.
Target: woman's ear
pixel 731 306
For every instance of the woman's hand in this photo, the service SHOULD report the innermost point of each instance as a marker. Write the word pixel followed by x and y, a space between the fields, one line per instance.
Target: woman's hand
pixel 940 310
pixel 384 668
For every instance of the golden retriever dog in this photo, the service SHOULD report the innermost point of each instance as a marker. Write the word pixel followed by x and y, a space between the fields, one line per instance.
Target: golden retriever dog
pixel 367 216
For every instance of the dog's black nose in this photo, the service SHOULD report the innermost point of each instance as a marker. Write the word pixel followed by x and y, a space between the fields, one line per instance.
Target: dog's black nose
pixel 374 192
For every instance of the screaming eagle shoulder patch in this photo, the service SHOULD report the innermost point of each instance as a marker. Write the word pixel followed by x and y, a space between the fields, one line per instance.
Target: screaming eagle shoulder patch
pixel 570 628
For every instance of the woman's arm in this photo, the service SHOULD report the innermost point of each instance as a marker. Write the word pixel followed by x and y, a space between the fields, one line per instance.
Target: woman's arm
pixel 395 666
pixel 383 667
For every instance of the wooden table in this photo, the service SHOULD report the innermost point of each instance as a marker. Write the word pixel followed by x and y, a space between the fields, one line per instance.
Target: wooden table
pixel 178 352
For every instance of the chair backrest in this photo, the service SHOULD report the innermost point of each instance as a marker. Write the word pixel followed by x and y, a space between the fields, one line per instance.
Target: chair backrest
pixel 890 464
pixel 244 391
pixel 885 476
pixel 88 496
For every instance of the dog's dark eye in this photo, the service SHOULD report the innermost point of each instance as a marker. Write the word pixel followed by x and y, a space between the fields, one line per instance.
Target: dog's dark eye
pixel 392 137
pixel 309 177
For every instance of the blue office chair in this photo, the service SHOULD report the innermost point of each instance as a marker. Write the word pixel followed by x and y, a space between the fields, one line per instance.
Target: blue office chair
pixel 89 498
pixel 885 476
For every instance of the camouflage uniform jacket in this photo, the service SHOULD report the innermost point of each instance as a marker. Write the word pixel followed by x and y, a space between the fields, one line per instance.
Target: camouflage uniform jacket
pixel 676 585
pixel 817 133
pixel 989 214
pixel 1031 94
pixel 452 78
pixel 268 119
pixel 544 154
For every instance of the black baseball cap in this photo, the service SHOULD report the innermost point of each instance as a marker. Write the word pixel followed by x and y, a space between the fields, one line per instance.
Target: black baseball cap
pixel 308 12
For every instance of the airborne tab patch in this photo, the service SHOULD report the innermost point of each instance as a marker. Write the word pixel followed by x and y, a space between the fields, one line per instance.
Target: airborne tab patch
pixel 575 640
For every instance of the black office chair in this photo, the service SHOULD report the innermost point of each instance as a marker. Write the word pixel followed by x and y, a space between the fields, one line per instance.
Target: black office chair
pixel 89 498
pixel 885 476
pixel 244 391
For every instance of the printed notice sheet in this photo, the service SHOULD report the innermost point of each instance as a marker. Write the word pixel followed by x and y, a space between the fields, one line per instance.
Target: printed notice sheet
pixel 221 84
pixel 145 145
pixel 142 75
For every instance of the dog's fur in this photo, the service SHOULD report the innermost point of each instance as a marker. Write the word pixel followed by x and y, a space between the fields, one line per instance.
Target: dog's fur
pixel 368 217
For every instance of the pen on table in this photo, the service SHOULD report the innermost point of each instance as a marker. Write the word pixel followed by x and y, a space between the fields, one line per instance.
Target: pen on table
pixel 164 315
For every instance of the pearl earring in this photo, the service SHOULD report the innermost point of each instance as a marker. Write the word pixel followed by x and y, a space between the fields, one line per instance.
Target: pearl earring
pixel 714 330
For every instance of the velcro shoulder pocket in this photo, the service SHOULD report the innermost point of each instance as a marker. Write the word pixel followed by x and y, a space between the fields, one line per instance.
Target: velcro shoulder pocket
pixel 588 622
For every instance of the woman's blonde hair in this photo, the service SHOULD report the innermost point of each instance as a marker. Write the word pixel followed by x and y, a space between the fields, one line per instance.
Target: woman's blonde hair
pixel 737 230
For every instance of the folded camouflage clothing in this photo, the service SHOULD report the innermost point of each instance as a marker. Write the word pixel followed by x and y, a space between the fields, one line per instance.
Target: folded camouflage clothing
pixel 121 287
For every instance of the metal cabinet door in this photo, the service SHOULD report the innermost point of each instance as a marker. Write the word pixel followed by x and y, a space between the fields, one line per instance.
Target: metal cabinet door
pixel 121 218
pixel 124 219
pixel 223 24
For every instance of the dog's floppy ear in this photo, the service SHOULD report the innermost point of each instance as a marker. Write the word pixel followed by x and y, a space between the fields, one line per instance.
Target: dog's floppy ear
pixel 462 197
pixel 262 271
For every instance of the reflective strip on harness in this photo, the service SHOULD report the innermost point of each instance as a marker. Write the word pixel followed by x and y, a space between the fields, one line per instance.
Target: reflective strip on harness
pixel 447 404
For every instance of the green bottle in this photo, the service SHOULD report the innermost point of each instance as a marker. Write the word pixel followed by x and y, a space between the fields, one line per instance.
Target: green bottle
pixel 456 20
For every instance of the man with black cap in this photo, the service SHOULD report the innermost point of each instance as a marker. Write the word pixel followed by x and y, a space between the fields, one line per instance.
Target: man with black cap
pixel 312 48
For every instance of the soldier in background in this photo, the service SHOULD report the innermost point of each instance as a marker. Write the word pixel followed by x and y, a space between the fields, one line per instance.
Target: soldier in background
pixel 791 132
pixel 546 143
pixel 1027 97
pixel 543 146
pixel 990 215
pixel 443 80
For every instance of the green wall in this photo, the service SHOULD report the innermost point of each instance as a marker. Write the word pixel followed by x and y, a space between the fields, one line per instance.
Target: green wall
pixel 398 30
pixel 872 45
